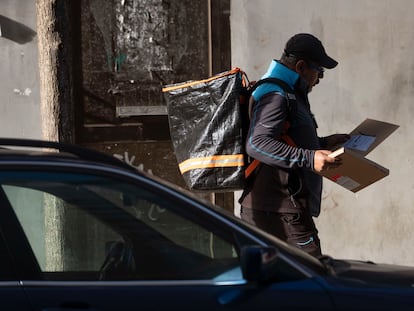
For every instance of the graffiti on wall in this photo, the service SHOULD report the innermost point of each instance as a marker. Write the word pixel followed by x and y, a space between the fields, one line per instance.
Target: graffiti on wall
pixel 131 161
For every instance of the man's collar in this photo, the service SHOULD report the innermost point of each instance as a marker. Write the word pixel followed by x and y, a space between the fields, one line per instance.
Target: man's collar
pixel 278 70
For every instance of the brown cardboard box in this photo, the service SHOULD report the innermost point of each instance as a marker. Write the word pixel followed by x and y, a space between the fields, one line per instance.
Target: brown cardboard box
pixel 355 171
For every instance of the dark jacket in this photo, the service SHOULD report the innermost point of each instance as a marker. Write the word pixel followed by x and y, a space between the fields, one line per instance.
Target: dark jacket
pixel 285 179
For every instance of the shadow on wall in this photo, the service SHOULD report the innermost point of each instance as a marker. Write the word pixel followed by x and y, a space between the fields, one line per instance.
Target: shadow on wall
pixel 15 31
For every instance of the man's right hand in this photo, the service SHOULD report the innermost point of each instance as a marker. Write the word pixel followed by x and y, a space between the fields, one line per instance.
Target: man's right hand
pixel 322 161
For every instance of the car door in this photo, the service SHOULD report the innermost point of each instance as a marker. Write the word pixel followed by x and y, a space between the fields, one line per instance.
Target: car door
pixel 12 296
pixel 101 241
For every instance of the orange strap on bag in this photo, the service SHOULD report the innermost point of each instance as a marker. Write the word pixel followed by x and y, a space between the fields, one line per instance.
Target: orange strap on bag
pixel 285 137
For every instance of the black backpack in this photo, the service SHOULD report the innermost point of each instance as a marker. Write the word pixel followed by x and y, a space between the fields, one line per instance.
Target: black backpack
pixel 209 121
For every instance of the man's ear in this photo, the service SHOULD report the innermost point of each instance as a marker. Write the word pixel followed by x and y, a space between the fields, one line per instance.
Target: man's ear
pixel 300 66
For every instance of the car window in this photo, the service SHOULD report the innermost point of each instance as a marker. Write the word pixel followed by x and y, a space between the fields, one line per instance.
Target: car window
pixel 86 227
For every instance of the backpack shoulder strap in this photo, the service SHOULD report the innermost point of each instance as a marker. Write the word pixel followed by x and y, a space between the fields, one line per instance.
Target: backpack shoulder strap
pixel 291 105
pixel 289 93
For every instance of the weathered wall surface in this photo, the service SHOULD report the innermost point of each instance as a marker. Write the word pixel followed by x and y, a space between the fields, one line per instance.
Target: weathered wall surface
pixel 129 50
pixel 373 42
pixel 19 74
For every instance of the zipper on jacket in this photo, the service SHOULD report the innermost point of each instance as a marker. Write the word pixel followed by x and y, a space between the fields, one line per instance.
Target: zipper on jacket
pixel 292 196
pixel 292 200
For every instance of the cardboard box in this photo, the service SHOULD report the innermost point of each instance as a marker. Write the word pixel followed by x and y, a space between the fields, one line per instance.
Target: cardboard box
pixel 356 171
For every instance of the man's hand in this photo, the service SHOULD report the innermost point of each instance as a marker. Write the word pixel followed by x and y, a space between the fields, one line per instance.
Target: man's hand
pixel 322 161
pixel 336 140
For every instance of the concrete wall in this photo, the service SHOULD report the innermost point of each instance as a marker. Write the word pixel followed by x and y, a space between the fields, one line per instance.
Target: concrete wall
pixel 373 40
pixel 19 73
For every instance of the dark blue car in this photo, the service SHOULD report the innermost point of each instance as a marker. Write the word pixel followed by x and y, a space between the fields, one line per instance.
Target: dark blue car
pixel 80 230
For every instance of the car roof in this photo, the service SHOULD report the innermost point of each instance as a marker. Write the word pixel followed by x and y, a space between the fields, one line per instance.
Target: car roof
pixel 16 148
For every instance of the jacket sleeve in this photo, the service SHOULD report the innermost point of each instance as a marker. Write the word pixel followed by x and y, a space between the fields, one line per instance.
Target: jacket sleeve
pixel 263 140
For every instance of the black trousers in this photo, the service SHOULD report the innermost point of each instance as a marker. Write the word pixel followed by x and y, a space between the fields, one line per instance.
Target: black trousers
pixel 296 228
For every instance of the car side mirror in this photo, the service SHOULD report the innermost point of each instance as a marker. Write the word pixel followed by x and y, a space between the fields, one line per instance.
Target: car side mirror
pixel 258 263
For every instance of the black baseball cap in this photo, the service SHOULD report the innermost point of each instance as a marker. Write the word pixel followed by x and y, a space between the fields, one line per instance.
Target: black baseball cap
pixel 310 48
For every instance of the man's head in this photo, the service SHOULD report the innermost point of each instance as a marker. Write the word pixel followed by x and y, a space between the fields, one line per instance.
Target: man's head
pixel 305 54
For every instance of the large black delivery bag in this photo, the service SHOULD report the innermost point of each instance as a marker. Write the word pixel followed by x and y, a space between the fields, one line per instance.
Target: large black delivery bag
pixel 206 128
